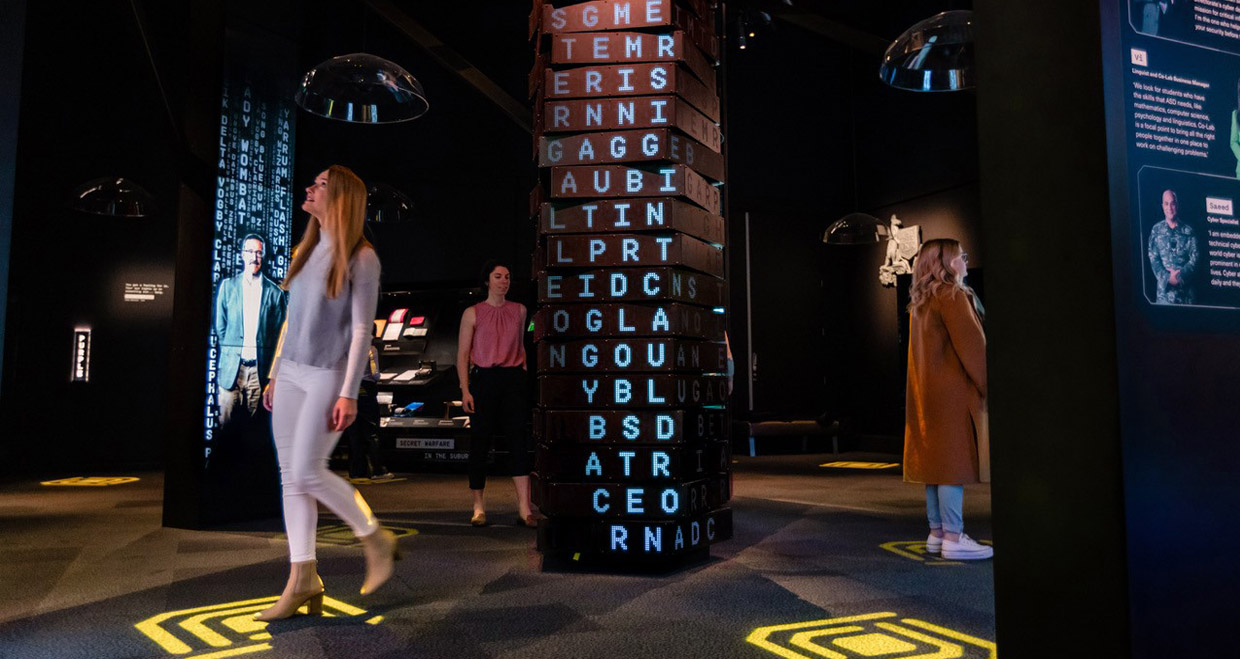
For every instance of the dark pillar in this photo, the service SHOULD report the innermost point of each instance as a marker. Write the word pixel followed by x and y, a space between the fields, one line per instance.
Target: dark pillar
pixel 12 41
pixel 1058 504
pixel 183 487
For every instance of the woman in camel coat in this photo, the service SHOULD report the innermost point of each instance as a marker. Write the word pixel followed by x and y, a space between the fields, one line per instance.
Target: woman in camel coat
pixel 945 435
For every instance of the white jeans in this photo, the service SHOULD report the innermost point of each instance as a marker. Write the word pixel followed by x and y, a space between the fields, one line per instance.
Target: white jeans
pixel 300 422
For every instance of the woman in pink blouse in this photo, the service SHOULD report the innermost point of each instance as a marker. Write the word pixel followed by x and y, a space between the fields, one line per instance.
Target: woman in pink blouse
pixel 490 362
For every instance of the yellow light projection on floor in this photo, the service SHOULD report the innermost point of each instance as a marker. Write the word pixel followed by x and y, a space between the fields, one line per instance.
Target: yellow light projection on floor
pixel 915 550
pixel 870 635
pixel 225 630
pixel 91 481
pixel 371 481
pixel 340 535
pixel 861 465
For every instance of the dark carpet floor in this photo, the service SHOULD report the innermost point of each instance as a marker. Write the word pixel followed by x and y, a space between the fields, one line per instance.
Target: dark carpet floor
pixel 825 563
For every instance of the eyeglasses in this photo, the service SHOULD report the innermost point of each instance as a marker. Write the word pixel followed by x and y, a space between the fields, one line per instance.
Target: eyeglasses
pixel 255 252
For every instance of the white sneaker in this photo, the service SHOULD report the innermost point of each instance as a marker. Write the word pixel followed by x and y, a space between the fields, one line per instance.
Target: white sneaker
pixel 966 549
pixel 934 545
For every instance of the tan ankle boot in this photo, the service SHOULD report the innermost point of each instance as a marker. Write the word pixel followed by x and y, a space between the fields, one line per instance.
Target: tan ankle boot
pixel 381 550
pixel 304 587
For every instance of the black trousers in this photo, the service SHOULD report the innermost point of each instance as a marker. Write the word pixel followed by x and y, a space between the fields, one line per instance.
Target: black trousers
pixel 501 408
pixel 363 435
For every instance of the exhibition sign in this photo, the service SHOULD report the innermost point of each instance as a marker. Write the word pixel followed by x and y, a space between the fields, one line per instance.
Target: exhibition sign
pixel 632 454
pixel 1171 71
pixel 1180 77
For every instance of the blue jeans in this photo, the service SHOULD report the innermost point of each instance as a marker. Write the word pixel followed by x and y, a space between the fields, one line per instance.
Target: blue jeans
pixel 945 507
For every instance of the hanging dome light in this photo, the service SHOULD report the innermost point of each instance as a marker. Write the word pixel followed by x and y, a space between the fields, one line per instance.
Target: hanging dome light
pixel 387 205
pixel 113 196
pixel 362 88
pixel 856 229
pixel 935 55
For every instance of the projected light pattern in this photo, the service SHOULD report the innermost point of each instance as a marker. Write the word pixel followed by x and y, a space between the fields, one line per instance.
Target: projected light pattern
pixel 90 481
pixel 915 550
pixel 227 629
pixel 632 458
pixel 883 634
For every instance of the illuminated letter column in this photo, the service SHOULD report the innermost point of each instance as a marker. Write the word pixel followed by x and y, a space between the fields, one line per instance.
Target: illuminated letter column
pixel 632 459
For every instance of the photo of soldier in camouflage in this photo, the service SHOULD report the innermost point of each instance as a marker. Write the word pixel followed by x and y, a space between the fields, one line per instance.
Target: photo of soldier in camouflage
pixel 1173 254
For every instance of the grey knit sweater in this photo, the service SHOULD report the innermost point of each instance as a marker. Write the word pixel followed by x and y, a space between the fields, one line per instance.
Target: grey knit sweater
pixel 332 333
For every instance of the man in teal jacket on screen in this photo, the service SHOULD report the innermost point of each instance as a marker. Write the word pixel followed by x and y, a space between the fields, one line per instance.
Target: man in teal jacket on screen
pixel 249 311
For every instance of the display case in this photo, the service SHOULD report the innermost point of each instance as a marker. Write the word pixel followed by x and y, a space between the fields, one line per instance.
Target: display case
pixel 421 421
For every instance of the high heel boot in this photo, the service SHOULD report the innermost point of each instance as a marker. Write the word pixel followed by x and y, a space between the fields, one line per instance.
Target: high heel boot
pixel 381 550
pixel 304 587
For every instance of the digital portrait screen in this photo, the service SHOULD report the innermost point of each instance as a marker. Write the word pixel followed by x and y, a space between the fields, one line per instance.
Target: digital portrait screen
pixel 251 251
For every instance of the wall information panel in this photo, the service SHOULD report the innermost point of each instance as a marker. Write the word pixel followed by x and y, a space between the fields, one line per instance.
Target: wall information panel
pixel 1171 73
pixel 632 458
pixel 1180 78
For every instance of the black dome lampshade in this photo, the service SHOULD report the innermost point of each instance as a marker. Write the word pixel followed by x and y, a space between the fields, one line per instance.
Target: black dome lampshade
pixel 387 205
pixel 113 196
pixel 935 55
pixel 856 229
pixel 362 88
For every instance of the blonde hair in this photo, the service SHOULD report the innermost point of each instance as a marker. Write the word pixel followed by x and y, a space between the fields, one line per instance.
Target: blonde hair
pixel 346 211
pixel 932 273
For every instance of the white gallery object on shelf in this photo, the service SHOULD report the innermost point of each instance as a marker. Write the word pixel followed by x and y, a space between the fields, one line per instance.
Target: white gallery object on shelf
pixel 903 243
